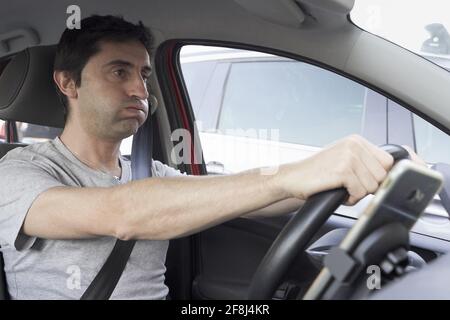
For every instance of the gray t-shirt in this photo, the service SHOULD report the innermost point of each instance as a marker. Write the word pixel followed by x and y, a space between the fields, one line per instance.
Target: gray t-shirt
pixel 62 269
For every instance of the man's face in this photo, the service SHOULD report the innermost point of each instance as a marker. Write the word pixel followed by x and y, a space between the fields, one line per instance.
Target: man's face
pixel 112 99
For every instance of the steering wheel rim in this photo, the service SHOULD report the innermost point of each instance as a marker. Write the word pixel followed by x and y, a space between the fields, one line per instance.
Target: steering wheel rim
pixel 298 232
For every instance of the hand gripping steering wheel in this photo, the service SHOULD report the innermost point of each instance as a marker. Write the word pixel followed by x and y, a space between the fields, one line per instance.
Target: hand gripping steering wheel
pixel 298 232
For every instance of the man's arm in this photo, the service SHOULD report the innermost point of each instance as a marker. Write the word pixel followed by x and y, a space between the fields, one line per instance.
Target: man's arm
pixel 277 209
pixel 165 208
pixel 156 208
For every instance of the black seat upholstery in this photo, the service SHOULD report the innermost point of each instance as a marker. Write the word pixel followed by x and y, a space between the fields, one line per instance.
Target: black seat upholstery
pixel 27 94
pixel 6 147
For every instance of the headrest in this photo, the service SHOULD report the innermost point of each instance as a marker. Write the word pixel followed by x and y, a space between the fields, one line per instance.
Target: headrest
pixel 27 90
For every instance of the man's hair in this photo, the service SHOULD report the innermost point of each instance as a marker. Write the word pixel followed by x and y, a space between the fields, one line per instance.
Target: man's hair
pixel 77 46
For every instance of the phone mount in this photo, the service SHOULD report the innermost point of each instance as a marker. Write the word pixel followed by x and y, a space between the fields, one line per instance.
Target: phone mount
pixel 378 259
pixel 375 250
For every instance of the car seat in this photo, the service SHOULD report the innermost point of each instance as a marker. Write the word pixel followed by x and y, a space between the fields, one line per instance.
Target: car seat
pixel 27 94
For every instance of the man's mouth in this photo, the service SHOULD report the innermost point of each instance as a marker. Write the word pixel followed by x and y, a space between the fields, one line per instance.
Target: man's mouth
pixel 136 108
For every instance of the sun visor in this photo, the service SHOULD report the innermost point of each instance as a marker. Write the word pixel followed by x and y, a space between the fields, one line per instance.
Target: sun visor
pixel 282 12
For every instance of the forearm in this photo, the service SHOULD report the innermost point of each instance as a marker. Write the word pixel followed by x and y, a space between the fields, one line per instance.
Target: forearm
pixel 155 208
pixel 277 209
pixel 165 208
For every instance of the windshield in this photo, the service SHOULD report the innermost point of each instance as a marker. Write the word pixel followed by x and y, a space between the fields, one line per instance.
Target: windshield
pixel 421 26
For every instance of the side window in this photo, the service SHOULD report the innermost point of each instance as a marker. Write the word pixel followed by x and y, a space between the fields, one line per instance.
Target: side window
pixel 32 133
pixel 125 146
pixel 3 64
pixel 406 128
pixel 255 109
pixel 432 144
pixel 2 131
pixel 290 96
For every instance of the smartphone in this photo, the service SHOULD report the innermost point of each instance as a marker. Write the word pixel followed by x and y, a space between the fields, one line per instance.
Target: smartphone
pixel 402 198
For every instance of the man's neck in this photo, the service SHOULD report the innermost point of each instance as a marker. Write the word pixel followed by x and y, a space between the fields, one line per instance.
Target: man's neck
pixel 99 154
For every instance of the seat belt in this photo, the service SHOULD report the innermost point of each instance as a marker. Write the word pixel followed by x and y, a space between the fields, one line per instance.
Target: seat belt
pixel 106 280
pixel 3 284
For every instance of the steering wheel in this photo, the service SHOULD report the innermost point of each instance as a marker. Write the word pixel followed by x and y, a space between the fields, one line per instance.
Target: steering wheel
pixel 298 232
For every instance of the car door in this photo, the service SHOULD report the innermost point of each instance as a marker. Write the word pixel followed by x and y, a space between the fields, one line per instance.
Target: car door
pixel 238 99
pixel 235 99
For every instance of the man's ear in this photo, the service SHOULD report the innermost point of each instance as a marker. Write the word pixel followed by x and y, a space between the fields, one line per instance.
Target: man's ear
pixel 65 84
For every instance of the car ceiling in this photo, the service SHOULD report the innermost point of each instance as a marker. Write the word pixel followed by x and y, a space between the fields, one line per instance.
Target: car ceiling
pixel 321 28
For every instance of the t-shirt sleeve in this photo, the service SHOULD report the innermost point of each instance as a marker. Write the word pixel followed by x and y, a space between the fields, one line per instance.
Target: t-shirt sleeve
pixel 21 183
pixel 160 169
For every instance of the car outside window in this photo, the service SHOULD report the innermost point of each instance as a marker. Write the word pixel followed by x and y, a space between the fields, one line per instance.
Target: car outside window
pixel 432 144
pixel 32 133
pixel 284 95
pixel 2 131
pixel 125 146
pixel 407 128
pixel 255 109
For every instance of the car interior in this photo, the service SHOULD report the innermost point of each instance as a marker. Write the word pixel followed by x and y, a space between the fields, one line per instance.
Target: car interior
pixel 221 262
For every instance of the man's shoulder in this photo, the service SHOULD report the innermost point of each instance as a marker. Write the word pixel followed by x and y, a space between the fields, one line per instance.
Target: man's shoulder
pixel 31 152
pixel 160 169
pixel 40 154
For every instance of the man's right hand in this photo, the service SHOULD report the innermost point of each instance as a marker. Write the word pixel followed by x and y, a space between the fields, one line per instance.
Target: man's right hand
pixel 353 163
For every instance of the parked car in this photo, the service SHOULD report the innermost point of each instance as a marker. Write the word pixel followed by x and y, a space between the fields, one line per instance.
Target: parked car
pixel 294 101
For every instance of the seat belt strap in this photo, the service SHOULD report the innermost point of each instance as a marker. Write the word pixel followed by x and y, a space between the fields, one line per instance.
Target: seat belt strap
pixel 106 280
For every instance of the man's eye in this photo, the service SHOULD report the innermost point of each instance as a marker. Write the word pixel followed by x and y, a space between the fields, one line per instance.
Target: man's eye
pixel 145 77
pixel 120 73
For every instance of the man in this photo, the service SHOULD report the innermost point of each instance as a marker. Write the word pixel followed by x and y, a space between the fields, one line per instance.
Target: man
pixel 74 196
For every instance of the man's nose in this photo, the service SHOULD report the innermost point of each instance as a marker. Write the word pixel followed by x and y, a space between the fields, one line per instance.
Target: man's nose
pixel 138 88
